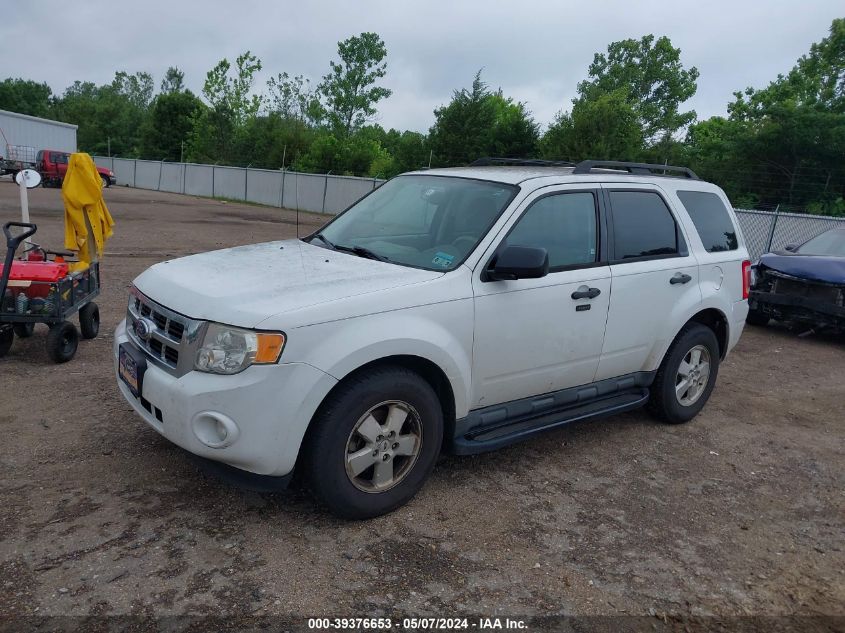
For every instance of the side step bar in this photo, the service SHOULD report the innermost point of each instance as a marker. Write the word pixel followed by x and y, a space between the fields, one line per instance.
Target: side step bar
pixel 520 428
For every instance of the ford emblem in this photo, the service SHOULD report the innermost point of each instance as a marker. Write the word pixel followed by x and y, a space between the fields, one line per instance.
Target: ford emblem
pixel 144 329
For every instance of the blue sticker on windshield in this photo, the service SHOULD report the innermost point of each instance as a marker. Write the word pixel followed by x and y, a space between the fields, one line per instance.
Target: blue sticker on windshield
pixel 444 260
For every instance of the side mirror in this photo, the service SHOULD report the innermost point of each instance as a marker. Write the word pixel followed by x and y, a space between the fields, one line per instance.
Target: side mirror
pixel 791 247
pixel 519 262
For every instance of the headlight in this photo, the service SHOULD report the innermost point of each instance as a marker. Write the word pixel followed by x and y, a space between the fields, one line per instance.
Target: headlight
pixel 229 350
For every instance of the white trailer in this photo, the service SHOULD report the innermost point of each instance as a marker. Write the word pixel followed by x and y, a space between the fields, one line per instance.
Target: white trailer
pixel 23 136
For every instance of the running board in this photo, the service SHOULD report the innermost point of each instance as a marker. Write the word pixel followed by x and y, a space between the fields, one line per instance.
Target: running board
pixel 488 438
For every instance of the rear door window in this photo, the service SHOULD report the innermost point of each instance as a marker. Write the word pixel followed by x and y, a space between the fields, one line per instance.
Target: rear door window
pixel 711 219
pixel 643 226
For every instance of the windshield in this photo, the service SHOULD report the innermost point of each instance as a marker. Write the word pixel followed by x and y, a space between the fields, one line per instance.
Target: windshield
pixel 430 222
pixel 831 243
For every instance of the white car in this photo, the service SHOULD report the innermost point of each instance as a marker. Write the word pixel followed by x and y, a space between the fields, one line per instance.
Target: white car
pixel 449 310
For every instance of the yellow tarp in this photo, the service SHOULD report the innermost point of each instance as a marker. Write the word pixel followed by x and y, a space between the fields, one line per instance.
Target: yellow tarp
pixel 82 192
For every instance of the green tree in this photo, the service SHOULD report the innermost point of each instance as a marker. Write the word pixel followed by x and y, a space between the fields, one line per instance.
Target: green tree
pixel 352 155
pixel 410 152
pixel 271 141
pixel 478 122
pixel 232 94
pixel 137 88
pixel 169 125
pixel 231 106
pixel 293 98
pixel 25 97
pixel 174 81
pixel 783 144
pixel 514 132
pixel 654 80
pixel 350 89
pixel 603 128
pixel 110 117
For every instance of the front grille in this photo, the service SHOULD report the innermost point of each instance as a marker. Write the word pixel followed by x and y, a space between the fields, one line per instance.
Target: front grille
pixel 808 290
pixel 171 340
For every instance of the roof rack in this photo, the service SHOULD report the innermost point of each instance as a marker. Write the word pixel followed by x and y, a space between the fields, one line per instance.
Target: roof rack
pixel 488 161
pixel 646 169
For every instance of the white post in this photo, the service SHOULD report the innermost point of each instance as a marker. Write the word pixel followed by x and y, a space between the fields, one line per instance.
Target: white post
pixel 24 204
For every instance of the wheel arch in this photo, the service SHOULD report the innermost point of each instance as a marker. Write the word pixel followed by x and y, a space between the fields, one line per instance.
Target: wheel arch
pixel 716 320
pixel 427 369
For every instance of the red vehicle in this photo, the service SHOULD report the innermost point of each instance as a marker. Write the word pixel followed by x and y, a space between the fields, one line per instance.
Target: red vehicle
pixel 52 165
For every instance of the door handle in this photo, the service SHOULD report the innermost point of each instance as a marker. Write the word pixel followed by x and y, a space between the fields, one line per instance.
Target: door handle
pixel 680 278
pixel 586 293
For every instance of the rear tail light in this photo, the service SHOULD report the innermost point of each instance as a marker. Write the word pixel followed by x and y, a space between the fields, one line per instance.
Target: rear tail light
pixel 746 278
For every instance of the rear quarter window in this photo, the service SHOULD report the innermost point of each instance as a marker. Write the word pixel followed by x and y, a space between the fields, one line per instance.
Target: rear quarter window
pixel 711 220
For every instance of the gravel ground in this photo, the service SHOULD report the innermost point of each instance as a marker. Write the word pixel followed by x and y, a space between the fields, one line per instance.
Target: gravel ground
pixel 732 517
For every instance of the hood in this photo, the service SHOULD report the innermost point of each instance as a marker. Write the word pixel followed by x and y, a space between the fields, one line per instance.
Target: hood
pixel 245 285
pixel 815 267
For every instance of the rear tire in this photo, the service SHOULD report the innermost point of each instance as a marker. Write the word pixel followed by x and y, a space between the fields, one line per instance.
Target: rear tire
pixel 89 320
pixel 373 443
pixel 24 330
pixel 7 337
pixel 757 318
pixel 686 376
pixel 62 341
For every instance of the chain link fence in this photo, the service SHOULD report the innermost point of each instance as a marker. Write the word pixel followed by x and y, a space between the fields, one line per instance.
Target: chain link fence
pixel 326 193
pixel 765 231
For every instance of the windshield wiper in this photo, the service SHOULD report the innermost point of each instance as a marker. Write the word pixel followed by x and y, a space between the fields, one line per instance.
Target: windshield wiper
pixel 360 251
pixel 324 240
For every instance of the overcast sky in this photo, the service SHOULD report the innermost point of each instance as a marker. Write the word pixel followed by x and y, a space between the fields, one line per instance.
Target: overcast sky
pixel 535 51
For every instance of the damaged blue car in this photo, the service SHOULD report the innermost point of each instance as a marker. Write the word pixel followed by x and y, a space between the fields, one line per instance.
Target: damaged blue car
pixel 803 286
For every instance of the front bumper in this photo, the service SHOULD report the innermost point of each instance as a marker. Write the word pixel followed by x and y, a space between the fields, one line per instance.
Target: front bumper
pixel 270 407
pixel 782 307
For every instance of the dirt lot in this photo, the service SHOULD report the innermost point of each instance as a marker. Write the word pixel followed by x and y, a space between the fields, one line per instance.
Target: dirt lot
pixel 739 513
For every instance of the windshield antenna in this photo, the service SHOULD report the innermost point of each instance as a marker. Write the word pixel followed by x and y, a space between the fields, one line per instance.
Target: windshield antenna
pixel 296 190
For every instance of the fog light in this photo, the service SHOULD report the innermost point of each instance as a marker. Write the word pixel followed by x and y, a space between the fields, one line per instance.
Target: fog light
pixel 215 430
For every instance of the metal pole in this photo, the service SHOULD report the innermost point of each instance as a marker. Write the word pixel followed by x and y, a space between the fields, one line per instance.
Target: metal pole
pixel 772 230
pixel 213 168
pixel 325 190
pixel 160 167
pixel 430 154
pixel 182 153
pixel 135 174
pixel 24 203
pixel 246 181
pixel 282 191
pixel 284 152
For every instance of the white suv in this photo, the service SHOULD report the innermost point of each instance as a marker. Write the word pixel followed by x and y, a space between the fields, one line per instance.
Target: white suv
pixel 449 310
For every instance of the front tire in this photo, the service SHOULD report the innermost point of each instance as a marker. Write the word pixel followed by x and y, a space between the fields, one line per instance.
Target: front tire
pixel 105 182
pixel 373 443
pixel 686 376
